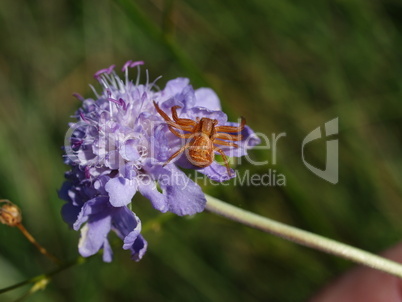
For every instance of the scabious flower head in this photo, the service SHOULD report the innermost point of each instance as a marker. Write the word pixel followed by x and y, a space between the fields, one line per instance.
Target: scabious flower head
pixel 119 145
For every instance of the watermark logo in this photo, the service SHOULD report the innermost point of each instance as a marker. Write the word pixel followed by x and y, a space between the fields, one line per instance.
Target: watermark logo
pixel 98 144
pixel 330 173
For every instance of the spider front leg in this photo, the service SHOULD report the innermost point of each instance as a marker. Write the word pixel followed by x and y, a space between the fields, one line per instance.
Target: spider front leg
pixel 181 121
pixel 170 122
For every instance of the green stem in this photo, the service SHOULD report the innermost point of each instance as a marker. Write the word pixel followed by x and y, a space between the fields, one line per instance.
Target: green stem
pixel 303 237
pixel 38 278
pixel 149 225
pixel 267 225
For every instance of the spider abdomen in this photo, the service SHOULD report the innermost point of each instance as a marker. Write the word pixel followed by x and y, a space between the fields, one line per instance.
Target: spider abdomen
pixel 201 152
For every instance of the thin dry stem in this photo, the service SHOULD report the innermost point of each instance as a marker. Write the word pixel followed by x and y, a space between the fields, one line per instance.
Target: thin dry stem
pixel 41 249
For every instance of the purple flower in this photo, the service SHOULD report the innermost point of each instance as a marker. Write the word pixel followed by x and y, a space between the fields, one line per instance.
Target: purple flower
pixel 194 105
pixel 119 145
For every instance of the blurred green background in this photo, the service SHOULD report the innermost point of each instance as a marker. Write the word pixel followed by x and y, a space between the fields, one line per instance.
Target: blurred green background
pixel 286 66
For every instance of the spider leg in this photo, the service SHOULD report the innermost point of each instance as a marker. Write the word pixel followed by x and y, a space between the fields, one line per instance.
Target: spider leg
pixel 223 143
pixel 177 153
pixel 225 159
pixel 227 136
pixel 170 121
pixel 181 135
pixel 231 129
pixel 162 113
pixel 181 121
pixel 184 128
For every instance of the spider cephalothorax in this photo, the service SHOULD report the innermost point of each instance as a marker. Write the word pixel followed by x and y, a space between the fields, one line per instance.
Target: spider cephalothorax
pixel 203 134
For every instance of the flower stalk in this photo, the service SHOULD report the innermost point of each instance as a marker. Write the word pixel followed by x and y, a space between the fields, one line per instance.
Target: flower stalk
pixel 48 276
pixel 41 249
pixel 10 215
pixel 305 238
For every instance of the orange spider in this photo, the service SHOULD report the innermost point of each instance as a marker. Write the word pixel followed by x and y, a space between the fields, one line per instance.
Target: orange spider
pixel 204 134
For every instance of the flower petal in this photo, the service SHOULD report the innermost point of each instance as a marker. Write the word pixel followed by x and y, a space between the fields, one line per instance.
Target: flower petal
pixel 93 235
pixel 70 213
pixel 132 236
pixel 217 172
pixel 64 192
pixel 121 191
pixel 94 206
pixel 148 189
pixel 128 227
pixel 184 97
pixel 183 196
pixel 125 222
pixel 138 248
pixel 201 112
pixel 206 97
pixel 174 87
pixel 107 251
pixel 129 150
pixel 161 144
pixel 113 160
